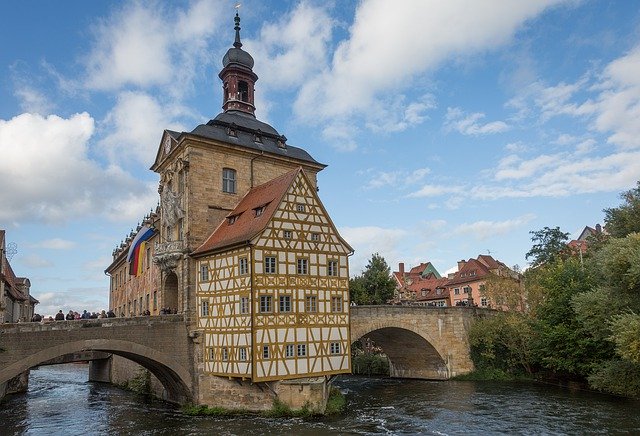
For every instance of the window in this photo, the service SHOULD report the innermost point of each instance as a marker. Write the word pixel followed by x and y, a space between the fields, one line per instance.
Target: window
pixel 424 292
pixel 335 348
pixel 135 306
pixel 265 351
pixel 285 303
pixel 243 91
pixel 466 290
pixel 265 303
pixel 303 266
pixel 456 291
pixel 244 266
pixel 336 304
pixel 302 350
pixel 332 268
pixel 229 180
pixel 155 300
pixel 146 302
pixel 204 272
pixel 441 304
pixel 259 211
pixel 242 353
pixel 232 219
pixel 300 207
pixel 148 258
pixel 287 234
pixel 205 308
pixel 311 303
pixel 289 350
pixel 212 355
pixel 483 302
pixel 244 305
pixel 315 237
pixel 225 354
pixel 270 265
pixel 481 288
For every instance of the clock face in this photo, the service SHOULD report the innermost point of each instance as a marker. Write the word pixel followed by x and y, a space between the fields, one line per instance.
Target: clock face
pixel 167 145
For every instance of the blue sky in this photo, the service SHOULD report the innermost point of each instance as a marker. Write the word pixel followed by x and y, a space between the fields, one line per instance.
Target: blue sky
pixel 451 129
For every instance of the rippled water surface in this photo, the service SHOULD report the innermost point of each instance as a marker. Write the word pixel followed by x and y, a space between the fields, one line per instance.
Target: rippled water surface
pixel 61 401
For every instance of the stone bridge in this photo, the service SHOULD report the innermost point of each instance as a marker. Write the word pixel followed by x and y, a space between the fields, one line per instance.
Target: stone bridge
pixel 160 344
pixel 421 342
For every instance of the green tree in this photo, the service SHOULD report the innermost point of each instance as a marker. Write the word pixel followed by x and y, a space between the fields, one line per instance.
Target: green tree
pixel 375 285
pixel 624 219
pixel 548 245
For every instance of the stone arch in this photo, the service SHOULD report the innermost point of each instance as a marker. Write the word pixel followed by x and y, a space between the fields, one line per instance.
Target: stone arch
pixel 170 291
pixel 410 354
pixel 174 378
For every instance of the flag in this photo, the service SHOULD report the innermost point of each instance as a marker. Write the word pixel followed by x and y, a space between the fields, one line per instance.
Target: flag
pixel 136 250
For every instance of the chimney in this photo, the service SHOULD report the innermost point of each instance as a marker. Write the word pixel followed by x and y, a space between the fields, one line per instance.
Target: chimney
pixel 461 264
pixel 598 228
pixel 401 269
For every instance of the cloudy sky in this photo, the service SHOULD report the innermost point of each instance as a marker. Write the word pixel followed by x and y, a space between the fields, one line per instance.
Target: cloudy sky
pixel 451 129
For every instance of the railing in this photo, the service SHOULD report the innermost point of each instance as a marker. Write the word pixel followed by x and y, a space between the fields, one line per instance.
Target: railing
pixel 169 247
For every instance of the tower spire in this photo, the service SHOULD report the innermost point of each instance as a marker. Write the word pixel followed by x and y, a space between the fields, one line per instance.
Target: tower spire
pixel 238 78
pixel 237 43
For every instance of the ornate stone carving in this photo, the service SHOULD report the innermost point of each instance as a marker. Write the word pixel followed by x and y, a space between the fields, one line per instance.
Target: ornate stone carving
pixel 168 255
pixel 171 207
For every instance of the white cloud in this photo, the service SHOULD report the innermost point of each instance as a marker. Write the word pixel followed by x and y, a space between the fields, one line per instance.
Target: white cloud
pixel 371 239
pixel 134 127
pixel 56 244
pixel 46 173
pixel 512 167
pixel 388 48
pixel 397 178
pixel 32 100
pixel 482 230
pixel 36 262
pixel 457 120
pixel 146 44
pixel 436 190
pixel 288 51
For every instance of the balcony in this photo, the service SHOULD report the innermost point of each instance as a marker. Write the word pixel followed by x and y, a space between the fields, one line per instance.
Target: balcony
pixel 168 254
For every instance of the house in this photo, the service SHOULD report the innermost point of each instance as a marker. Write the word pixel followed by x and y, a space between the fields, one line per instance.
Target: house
pixel 467 285
pixel 580 244
pixel 273 287
pixel 422 286
pixel 16 302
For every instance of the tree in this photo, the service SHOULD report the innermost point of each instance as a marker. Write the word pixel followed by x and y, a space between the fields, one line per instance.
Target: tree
pixel 548 245
pixel 375 285
pixel 624 219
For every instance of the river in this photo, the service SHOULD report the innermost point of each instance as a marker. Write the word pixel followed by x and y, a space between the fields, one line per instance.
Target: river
pixel 61 401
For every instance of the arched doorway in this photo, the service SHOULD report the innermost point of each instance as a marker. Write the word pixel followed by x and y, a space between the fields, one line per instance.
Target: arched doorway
pixel 170 291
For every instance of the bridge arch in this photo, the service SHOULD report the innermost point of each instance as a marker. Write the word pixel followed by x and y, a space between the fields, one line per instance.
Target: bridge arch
pixel 411 355
pixel 174 378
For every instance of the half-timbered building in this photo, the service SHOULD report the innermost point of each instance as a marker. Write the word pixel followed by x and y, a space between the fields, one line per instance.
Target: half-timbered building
pixel 273 287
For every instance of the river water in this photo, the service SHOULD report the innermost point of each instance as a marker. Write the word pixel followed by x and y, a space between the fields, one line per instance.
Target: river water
pixel 61 401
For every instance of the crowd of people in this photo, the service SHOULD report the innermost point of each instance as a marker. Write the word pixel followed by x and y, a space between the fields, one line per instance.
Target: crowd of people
pixel 72 315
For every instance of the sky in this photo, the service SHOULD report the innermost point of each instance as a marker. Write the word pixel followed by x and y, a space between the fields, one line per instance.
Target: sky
pixel 450 129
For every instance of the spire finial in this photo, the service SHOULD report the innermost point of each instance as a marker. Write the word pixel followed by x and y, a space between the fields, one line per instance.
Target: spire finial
pixel 237 43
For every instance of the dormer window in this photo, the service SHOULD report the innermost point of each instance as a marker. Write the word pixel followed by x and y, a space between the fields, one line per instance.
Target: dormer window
pixel 259 211
pixel 232 132
pixel 257 138
pixel 232 219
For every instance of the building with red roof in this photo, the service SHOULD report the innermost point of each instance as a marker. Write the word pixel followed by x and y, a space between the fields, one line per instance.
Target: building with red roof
pixel 16 303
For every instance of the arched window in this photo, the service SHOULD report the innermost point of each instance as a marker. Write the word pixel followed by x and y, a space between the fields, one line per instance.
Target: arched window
pixel 243 91
pixel 229 180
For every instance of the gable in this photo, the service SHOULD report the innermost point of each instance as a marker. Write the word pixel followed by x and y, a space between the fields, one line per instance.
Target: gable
pixel 167 145
pixel 302 213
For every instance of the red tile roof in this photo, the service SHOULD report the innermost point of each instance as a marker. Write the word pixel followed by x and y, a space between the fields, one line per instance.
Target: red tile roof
pixel 471 271
pixel 242 224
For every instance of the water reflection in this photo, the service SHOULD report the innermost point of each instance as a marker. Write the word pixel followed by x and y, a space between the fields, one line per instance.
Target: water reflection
pixel 60 400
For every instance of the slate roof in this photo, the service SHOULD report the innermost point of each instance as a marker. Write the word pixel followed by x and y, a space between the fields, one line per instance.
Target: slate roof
pixel 247 225
pixel 248 129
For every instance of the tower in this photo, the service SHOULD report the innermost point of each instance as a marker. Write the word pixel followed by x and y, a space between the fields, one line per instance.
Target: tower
pixel 238 78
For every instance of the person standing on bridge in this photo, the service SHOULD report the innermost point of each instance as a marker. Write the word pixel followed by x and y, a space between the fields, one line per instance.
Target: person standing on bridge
pixel 60 316
pixel 70 316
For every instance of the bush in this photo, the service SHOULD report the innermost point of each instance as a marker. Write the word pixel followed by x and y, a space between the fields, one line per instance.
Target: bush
pixel 619 377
